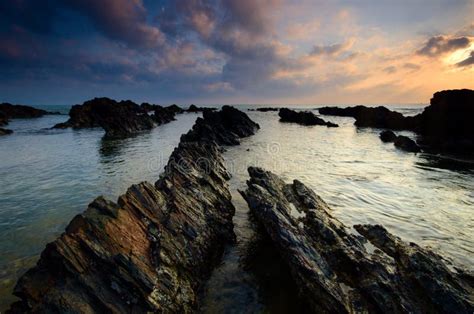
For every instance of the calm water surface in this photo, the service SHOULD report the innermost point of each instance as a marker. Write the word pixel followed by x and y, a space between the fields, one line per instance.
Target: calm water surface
pixel 48 176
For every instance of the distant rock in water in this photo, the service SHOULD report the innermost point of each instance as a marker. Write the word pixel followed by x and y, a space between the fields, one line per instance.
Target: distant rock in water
pixel 5 131
pixel 9 111
pixel 195 109
pixel 152 249
pixel 406 144
pixel 3 119
pixel 401 142
pixel 388 136
pixel 302 117
pixel 445 125
pixel 116 118
pixel 340 271
pixel 264 109
pixel 224 127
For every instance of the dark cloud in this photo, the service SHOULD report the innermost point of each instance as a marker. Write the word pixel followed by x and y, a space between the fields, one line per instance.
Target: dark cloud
pixel 468 61
pixel 440 44
pixel 331 50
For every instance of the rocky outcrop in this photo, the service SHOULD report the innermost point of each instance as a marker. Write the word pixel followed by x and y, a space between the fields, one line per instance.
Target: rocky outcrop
pixel 9 111
pixel 195 109
pixel 341 270
pixel 116 118
pixel 302 117
pixel 402 142
pixel 445 125
pixel 148 252
pixel 377 117
pixel 224 127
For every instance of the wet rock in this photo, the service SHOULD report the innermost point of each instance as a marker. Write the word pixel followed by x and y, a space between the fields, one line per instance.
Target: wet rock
pixel 339 270
pixel 162 115
pixel 302 117
pixel 406 144
pixel 3 119
pixel 5 131
pixel 224 127
pixel 116 118
pixel 148 252
pixel 388 136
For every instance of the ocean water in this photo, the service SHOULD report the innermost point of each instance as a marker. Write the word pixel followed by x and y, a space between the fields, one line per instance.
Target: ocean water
pixel 48 176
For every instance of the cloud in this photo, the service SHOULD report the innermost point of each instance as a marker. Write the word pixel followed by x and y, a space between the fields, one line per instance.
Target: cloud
pixel 332 50
pixel 441 44
pixel 390 69
pixel 411 66
pixel 468 61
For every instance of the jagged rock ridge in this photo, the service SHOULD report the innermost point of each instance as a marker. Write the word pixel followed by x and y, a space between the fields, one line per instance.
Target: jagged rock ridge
pixel 149 251
pixel 302 117
pixel 341 271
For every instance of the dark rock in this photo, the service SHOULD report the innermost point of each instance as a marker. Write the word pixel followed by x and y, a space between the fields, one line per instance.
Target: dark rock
pixel 3 119
pixel 339 271
pixel 406 144
pixel 388 136
pixel 148 252
pixel 10 111
pixel 5 131
pixel 195 109
pixel 176 109
pixel 264 109
pixel 116 118
pixel 163 115
pixel 302 117
pixel 224 127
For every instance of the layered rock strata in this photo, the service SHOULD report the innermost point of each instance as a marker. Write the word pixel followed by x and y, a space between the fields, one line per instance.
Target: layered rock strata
pixel 151 250
pixel 341 270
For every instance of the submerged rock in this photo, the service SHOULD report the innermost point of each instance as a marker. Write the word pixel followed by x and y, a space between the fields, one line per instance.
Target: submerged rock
pixel 340 271
pixel 302 117
pixel 116 118
pixel 148 252
pixel 5 131
pixel 224 127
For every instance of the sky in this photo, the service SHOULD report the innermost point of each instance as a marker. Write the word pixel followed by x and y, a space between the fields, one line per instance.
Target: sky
pixel 234 51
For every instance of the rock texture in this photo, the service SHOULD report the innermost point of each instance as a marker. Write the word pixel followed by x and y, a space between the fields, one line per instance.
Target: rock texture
pixel 302 117
pixel 9 111
pixel 225 127
pixel 339 270
pixel 116 118
pixel 195 109
pixel 388 136
pixel 445 125
pixel 5 131
pixel 148 252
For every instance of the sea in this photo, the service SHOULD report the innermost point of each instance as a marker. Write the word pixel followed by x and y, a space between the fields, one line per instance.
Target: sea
pixel 48 176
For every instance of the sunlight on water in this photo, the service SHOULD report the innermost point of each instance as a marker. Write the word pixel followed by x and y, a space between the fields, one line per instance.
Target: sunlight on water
pixel 48 176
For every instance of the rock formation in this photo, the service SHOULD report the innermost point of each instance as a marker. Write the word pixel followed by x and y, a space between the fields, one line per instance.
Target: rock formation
pixel 195 109
pixel 5 131
pixel 339 270
pixel 151 250
pixel 9 111
pixel 445 125
pixel 225 127
pixel 116 118
pixel 302 117
pixel 402 142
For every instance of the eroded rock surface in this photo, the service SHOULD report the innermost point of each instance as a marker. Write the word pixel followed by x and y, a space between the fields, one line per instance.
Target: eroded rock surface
pixel 302 117
pixel 224 127
pixel 339 270
pixel 116 118
pixel 147 252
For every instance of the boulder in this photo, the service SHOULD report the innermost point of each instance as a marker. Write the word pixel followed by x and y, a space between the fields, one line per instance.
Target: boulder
pixel 406 144
pixel 148 252
pixel 116 118
pixel 224 127
pixel 302 118
pixel 360 270
pixel 388 136
pixel 162 115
